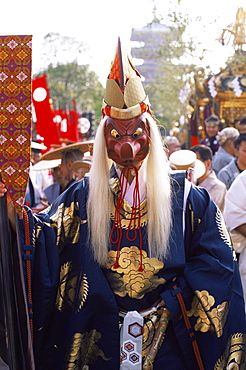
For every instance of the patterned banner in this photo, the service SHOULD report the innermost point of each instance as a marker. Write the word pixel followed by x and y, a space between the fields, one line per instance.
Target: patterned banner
pixel 15 115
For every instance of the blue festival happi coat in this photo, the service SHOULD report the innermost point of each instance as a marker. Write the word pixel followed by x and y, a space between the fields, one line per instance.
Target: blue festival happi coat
pixel 76 303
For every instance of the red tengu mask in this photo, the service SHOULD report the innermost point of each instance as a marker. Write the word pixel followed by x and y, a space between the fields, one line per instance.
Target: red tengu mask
pixel 127 140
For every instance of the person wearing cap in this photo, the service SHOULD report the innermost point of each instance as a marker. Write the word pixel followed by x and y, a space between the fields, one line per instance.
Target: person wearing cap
pixel 68 155
pixel 211 127
pixel 41 177
pixel 133 268
pixel 226 152
pixel 36 148
pixel 209 180
pixel 68 158
pixel 185 160
pixel 237 165
pixel 81 168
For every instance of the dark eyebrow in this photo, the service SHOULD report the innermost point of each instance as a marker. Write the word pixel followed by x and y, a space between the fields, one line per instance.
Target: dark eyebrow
pixel 110 120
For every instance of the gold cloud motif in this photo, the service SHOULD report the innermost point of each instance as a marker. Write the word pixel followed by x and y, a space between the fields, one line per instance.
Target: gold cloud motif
pixel 84 350
pixel 127 280
pixel 208 319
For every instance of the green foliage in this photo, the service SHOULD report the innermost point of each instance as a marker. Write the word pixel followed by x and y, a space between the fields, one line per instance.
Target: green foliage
pixel 69 80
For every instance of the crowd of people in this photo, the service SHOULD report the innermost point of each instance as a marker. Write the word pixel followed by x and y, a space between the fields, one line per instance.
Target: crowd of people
pixel 132 266
pixel 224 155
pixel 52 173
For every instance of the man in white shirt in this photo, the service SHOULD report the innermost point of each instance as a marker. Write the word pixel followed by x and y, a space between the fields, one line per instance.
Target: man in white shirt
pixel 208 180
pixel 235 219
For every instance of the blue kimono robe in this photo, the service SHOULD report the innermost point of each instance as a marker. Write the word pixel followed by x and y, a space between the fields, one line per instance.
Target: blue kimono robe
pixel 76 302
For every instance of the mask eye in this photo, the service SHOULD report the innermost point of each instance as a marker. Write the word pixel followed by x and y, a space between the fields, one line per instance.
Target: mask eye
pixel 138 132
pixel 115 133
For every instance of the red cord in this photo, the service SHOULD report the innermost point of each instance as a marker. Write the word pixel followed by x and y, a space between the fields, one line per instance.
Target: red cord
pixel 28 270
pixel 188 327
pixel 117 226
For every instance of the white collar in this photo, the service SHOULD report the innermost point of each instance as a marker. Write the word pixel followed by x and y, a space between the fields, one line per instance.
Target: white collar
pixel 130 187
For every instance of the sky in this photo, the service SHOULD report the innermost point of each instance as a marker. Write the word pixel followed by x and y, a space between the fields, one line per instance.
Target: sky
pixel 99 23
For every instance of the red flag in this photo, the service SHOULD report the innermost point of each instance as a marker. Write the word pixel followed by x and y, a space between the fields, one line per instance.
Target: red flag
pixel 67 124
pixel 45 124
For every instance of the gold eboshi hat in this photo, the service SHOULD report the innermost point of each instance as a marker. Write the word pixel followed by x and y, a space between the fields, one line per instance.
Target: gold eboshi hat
pixel 125 97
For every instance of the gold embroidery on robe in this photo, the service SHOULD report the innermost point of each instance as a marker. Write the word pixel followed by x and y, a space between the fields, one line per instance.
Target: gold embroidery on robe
pixel 68 288
pixel 208 319
pixel 84 350
pixel 126 209
pixel 222 228
pixel 234 355
pixel 151 322
pixel 36 233
pixel 67 224
pixel 126 279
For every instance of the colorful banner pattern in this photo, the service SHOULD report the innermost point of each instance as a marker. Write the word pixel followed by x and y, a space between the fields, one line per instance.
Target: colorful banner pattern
pixel 15 115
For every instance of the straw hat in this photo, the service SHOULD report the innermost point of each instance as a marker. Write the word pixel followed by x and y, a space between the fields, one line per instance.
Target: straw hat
pixel 84 146
pixel 38 146
pixel 86 163
pixel 46 165
pixel 184 159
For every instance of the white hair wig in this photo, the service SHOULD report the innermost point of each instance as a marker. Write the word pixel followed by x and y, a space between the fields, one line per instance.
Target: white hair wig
pixel 158 192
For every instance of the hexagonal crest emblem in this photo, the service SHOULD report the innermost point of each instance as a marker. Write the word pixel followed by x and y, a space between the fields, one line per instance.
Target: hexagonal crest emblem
pixel 135 329
pixel 134 358
pixel 129 346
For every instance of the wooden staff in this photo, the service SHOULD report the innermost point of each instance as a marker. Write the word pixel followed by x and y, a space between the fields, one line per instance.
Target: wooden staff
pixel 157 340
pixel 7 282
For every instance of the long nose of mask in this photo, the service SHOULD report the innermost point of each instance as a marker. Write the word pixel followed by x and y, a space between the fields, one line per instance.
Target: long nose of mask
pixel 128 151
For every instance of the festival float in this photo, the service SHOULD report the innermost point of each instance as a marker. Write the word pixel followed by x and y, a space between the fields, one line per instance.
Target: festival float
pixel 223 94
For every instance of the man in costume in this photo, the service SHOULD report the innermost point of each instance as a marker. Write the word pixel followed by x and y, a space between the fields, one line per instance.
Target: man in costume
pixel 136 249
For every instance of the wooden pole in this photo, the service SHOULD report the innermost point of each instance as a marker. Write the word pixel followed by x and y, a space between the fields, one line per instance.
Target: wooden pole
pixel 7 281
